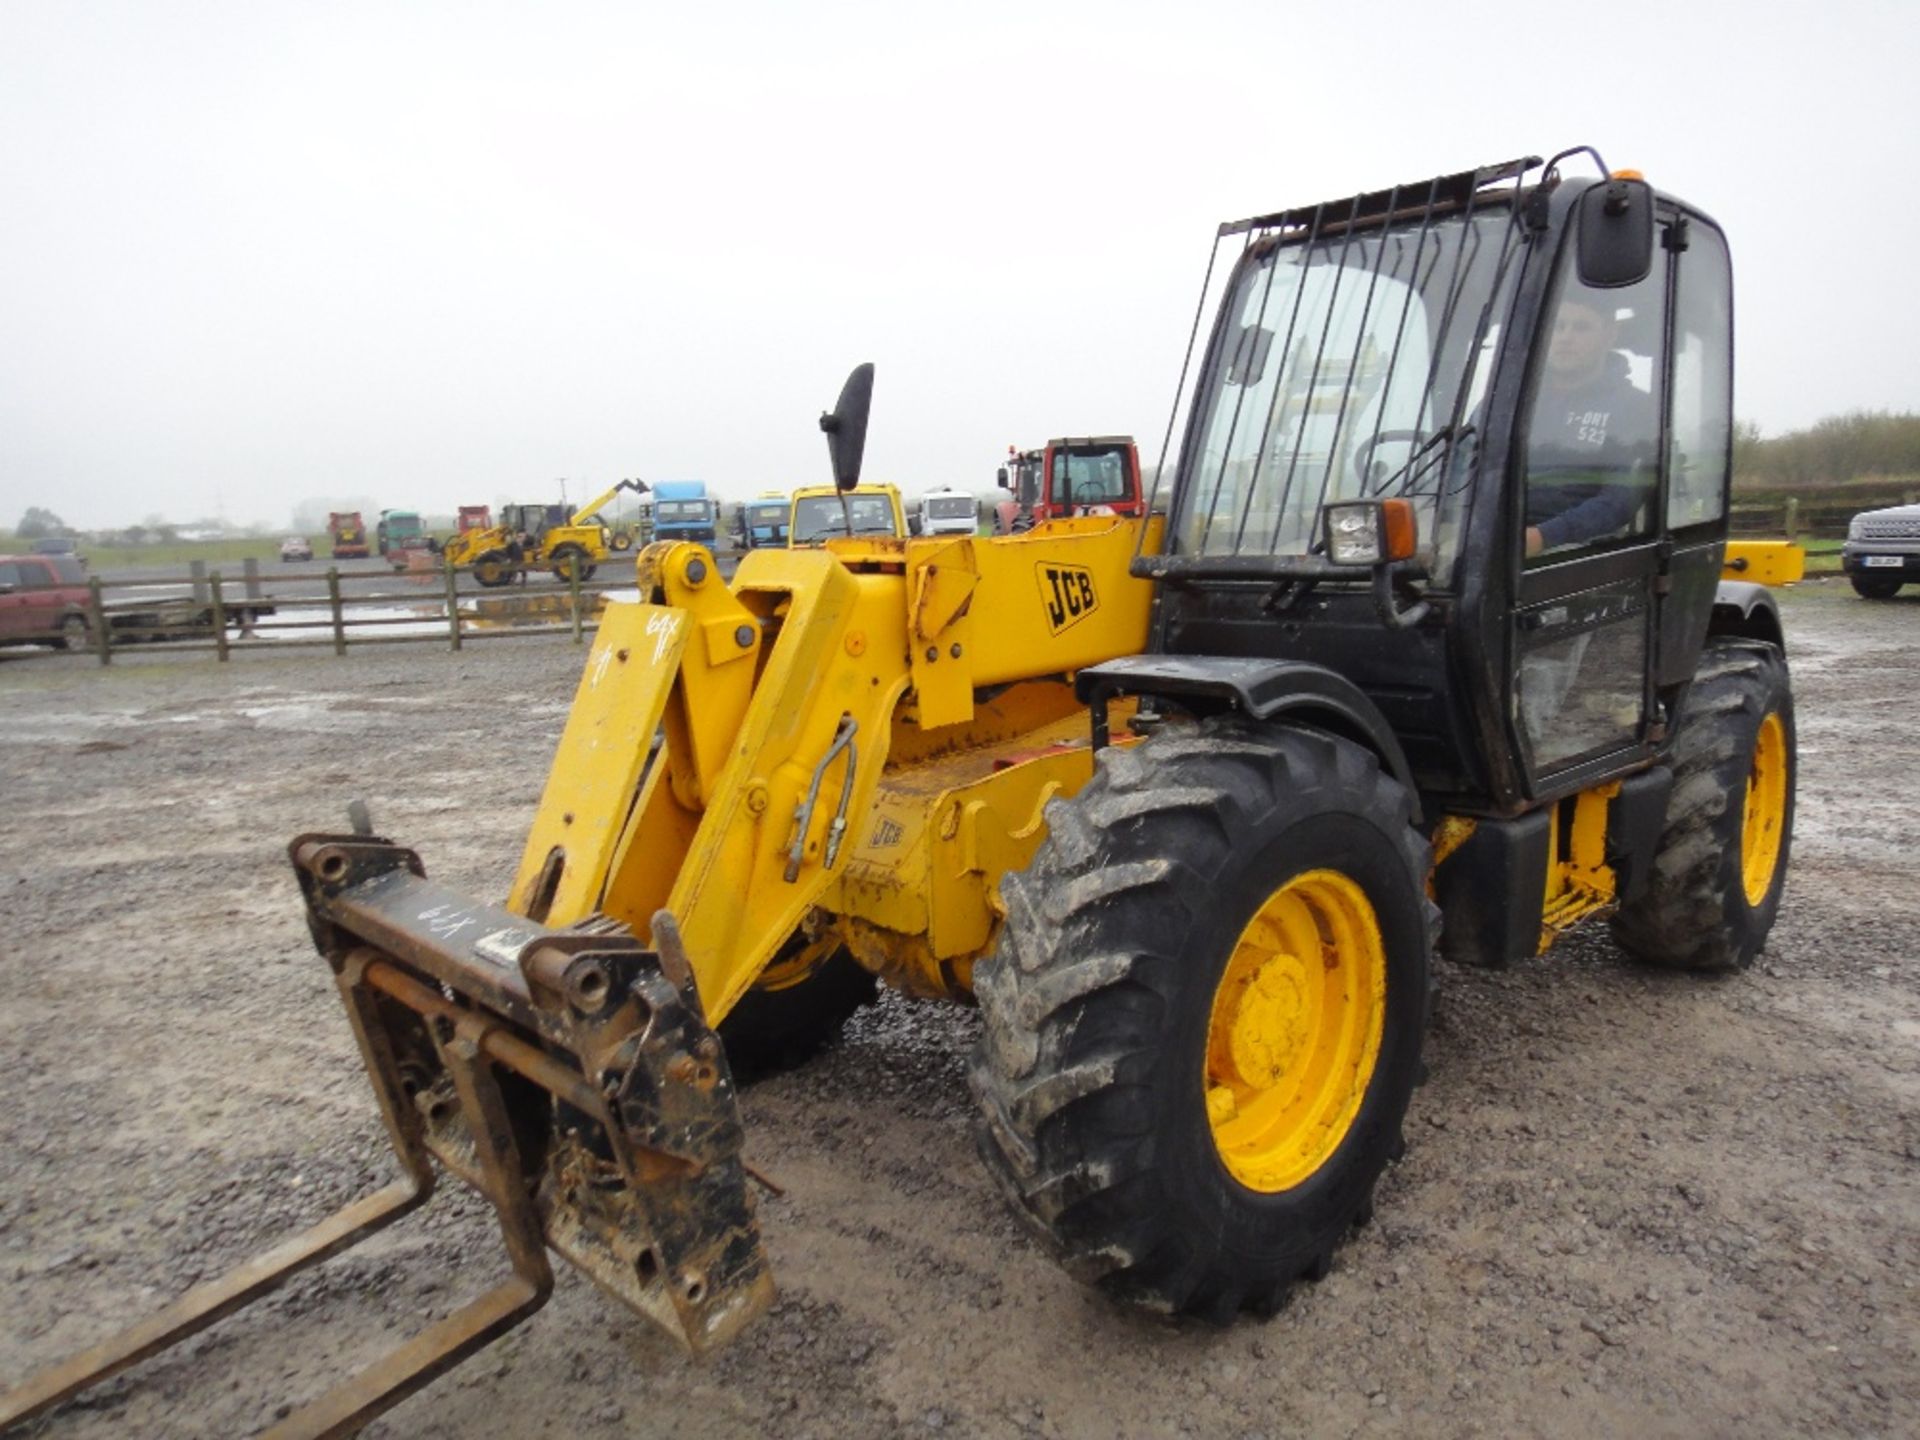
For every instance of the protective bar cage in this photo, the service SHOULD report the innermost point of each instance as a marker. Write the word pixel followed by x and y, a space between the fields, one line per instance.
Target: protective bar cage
pixel 1352 343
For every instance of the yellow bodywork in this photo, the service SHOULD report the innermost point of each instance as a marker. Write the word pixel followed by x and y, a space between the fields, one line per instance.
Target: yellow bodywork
pixel 1579 879
pixel 853 674
pixel 1764 562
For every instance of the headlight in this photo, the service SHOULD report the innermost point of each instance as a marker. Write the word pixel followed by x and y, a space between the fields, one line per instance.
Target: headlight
pixel 1353 534
pixel 1366 532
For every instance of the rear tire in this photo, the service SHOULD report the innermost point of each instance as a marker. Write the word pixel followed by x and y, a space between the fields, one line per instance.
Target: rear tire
pixel 567 558
pixel 74 633
pixel 771 1030
pixel 1875 587
pixel 1192 1115
pixel 1716 880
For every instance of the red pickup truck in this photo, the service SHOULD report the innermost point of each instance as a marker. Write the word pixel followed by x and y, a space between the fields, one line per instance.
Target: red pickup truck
pixel 43 598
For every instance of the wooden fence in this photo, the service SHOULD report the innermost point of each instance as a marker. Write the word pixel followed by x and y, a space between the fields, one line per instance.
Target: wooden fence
pixel 1796 519
pixel 338 609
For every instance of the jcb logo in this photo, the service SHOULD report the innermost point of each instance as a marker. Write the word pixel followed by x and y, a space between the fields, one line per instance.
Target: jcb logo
pixel 1066 592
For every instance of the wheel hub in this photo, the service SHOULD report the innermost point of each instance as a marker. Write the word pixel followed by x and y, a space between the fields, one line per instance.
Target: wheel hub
pixel 1295 1030
pixel 1764 819
pixel 1270 1022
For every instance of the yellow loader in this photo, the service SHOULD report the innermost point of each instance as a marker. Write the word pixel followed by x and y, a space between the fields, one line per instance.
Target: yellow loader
pixel 1436 641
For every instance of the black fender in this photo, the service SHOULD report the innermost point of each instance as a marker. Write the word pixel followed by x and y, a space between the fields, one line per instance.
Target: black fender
pixel 1294 690
pixel 1741 607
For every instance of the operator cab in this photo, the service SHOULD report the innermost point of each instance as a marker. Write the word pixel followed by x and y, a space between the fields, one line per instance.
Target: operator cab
pixel 1465 442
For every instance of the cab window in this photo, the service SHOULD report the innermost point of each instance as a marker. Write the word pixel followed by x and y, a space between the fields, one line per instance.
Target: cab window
pixel 1699 440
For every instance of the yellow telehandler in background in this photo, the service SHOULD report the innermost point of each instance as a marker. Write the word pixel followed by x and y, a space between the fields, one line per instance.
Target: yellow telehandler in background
pixel 1184 801
pixel 545 535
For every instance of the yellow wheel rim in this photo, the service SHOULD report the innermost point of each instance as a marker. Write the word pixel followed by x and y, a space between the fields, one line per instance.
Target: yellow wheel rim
pixel 1766 810
pixel 1295 1031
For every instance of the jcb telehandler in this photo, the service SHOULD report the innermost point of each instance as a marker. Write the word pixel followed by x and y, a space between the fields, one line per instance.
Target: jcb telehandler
pixel 550 535
pixel 1430 646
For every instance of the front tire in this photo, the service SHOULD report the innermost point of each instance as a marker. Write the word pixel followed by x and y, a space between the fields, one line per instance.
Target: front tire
pixel 1722 861
pixel 493 569
pixel 1204 1017
pixel 1875 587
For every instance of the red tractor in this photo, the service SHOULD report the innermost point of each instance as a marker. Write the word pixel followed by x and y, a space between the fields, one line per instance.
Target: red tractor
pixel 1096 475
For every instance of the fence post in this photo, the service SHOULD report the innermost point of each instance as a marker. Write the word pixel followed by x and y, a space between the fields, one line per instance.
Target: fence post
pixel 98 610
pixel 573 585
pixel 1790 520
pixel 339 625
pixel 453 604
pixel 219 617
pixel 250 570
pixel 197 572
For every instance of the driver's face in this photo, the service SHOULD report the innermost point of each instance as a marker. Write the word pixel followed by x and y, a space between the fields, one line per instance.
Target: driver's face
pixel 1582 336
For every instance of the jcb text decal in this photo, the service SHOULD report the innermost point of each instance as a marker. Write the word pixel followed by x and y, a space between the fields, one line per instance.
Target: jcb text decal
pixel 1066 593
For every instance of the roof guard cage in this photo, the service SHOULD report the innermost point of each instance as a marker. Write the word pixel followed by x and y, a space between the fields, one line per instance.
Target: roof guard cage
pixel 1446 192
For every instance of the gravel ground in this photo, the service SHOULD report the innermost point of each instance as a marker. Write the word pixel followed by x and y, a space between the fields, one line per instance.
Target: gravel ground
pixel 1632 1202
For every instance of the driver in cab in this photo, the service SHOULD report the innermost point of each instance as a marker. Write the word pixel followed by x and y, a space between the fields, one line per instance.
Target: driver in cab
pixel 1591 444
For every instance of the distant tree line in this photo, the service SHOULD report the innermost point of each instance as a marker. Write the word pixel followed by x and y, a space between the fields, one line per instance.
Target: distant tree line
pixel 1866 443
pixel 39 522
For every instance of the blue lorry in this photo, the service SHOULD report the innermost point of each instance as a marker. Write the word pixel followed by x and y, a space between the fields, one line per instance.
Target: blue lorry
pixel 682 510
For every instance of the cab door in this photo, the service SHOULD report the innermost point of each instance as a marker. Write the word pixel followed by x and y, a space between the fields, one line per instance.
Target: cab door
pixel 1587 626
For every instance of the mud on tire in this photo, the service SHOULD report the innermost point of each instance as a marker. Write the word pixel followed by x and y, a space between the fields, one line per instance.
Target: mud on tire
pixel 1092 1073
pixel 1696 913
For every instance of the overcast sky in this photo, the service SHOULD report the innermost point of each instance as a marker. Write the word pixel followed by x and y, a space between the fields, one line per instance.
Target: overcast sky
pixel 252 253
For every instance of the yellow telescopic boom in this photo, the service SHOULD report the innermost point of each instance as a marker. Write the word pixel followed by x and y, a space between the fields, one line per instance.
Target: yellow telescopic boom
pixel 587 511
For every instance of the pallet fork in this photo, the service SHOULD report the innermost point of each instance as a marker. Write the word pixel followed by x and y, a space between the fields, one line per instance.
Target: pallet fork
pixel 567 1075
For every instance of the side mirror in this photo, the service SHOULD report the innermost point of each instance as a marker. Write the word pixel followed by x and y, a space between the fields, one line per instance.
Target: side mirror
pixel 846 426
pixel 1615 225
pixel 1000 478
